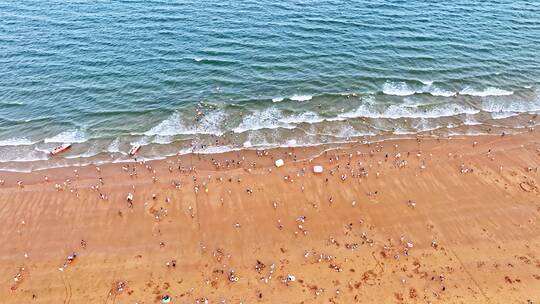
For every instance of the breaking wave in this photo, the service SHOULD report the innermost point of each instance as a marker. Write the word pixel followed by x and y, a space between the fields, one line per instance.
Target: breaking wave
pixel 176 124
pixel 70 136
pixel 398 89
pixel 269 118
pixel 490 91
pixel 404 89
pixel 301 97
pixel 404 111
pixel 16 141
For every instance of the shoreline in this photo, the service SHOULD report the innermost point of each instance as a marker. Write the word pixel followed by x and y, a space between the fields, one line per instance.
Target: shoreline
pixel 396 221
pixel 64 161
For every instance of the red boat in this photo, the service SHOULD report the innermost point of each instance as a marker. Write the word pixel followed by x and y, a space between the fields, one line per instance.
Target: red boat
pixel 60 149
pixel 134 150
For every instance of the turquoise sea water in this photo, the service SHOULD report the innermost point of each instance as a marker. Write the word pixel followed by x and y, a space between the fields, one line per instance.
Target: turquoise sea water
pixel 179 76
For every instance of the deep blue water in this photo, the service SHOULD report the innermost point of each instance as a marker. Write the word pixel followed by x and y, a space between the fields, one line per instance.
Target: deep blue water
pixel 106 75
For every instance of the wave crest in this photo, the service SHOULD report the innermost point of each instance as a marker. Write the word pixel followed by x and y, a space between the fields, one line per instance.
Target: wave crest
pixel 16 141
pixel 70 136
pixel 301 97
pixel 178 125
pixel 404 111
pixel 490 91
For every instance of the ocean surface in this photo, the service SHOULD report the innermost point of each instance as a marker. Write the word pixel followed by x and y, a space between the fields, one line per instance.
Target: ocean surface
pixel 210 76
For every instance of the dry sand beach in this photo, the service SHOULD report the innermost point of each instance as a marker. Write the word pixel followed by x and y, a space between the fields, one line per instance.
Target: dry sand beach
pixel 425 220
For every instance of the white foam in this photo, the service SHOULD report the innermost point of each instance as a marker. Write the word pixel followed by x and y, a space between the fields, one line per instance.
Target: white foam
pixel 403 111
pixel 114 147
pixel 170 126
pixel 306 117
pixel 277 99
pixel 162 140
pixel 272 118
pixel 492 105
pixel 176 124
pixel 502 114
pixel 198 59
pixel 70 136
pixel 143 141
pixel 402 89
pixel 16 156
pixel 43 150
pixel 16 141
pixel 490 91
pixel 420 125
pixel 441 92
pixel 87 154
pixel 262 119
pixel 402 131
pixel 340 117
pixel 398 89
pixel 301 97
pixel 208 150
pixel 18 169
pixel 470 121
pixel 426 82
pixel 345 132
pixel 292 143
pixel 467 133
pixel 211 123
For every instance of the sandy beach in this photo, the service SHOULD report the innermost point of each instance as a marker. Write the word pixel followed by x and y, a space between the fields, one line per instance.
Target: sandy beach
pixel 419 220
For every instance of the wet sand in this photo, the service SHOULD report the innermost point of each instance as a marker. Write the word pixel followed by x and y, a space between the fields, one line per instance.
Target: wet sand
pixel 402 221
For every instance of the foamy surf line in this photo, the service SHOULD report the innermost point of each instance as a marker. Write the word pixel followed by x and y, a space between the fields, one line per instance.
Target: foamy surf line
pixel 490 91
pixel 17 167
pixel 404 89
pixel 301 97
pixel 70 136
pixel 16 141
pixel 43 159
pixel 293 98
pixel 177 124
